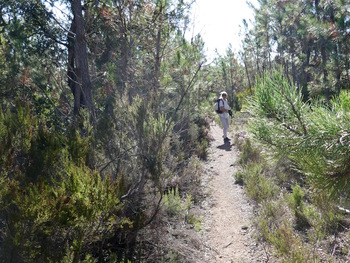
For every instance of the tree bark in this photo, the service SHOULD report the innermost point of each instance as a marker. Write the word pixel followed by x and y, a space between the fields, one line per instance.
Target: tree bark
pixel 82 88
pixel 324 68
pixel 246 70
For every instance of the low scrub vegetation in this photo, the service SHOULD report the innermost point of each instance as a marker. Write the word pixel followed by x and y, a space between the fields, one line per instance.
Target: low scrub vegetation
pixel 295 224
pixel 295 168
pixel 82 196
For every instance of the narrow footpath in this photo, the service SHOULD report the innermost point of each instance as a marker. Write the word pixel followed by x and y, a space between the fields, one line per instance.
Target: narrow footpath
pixel 228 229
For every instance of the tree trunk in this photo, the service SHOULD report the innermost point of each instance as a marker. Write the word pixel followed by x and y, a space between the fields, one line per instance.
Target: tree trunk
pixel 82 89
pixel 158 47
pixel 324 68
pixel 72 78
pixel 246 70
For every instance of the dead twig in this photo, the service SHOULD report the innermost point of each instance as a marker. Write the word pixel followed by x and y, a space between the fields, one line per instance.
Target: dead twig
pixel 228 244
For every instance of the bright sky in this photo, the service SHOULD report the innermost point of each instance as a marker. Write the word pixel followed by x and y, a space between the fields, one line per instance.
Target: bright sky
pixel 219 23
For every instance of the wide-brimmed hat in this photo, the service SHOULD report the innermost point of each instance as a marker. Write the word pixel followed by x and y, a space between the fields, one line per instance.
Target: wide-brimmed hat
pixel 223 93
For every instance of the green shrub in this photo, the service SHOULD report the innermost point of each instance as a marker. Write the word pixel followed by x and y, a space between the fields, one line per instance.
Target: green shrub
pixel 248 154
pixel 329 214
pixel 190 180
pixel 276 228
pixel 239 177
pixel 257 185
pixel 202 149
pixel 54 205
pixel 202 137
pixel 283 238
pixel 195 221
pixel 75 210
pixel 270 216
pixel 172 203
pixel 316 233
pixel 239 139
pixel 297 205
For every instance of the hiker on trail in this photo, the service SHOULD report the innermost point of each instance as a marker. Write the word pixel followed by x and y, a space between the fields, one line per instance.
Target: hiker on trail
pixel 224 113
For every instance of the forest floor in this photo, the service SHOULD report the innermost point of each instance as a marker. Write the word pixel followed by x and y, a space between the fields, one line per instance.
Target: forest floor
pixel 229 232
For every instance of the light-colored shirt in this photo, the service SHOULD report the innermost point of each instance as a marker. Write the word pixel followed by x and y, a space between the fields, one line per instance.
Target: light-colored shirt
pixel 224 114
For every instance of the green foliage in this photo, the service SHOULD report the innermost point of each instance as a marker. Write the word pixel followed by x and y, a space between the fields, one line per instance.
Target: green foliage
pixel 293 224
pixel 196 222
pixel 201 136
pixel 298 207
pixel 317 230
pixel 173 204
pixel 329 216
pixel 228 74
pixel 297 198
pixel 149 123
pixel 312 135
pixel 295 219
pixel 270 218
pixel 31 56
pixel 282 239
pixel 257 185
pixel 16 133
pixel 202 149
pixel 306 38
pixel 243 98
pixel 54 205
pixel 239 177
pixel 276 228
pixel 173 256
pixel 78 208
pixel 190 181
pixel 249 153
pixel 278 110
pixel 152 139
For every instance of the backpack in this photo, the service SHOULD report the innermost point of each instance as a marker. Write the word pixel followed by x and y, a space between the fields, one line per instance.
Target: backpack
pixel 217 107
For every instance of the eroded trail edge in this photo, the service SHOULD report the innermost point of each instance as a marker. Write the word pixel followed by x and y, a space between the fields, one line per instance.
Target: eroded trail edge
pixel 228 228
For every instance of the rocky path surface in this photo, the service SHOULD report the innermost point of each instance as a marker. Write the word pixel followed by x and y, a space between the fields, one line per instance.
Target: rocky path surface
pixel 228 230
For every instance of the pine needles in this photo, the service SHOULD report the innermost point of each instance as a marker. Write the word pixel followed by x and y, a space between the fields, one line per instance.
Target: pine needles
pixel 314 134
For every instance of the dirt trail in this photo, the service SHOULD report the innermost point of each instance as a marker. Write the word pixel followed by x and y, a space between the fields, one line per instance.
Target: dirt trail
pixel 228 229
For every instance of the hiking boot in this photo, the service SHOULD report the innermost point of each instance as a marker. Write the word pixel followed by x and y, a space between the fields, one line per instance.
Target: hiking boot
pixel 227 139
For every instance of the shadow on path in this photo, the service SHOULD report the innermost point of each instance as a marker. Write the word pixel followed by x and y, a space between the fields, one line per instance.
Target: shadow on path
pixel 227 146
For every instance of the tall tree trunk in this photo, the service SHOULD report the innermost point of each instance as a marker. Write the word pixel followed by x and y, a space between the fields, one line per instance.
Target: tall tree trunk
pixel 82 90
pixel 324 68
pixel 336 45
pixel 124 55
pixel 304 75
pixel 158 50
pixel 72 78
pixel 246 70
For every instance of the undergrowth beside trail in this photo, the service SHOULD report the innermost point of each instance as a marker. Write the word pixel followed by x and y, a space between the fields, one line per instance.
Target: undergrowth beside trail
pixel 98 196
pixel 295 223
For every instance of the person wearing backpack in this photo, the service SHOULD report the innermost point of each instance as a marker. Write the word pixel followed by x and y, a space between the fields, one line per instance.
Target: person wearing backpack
pixel 224 108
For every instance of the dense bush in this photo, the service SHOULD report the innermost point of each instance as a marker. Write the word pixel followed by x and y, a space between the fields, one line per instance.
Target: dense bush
pixel 294 222
pixel 52 205
pixel 305 159
pixel 313 135
pixel 84 195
